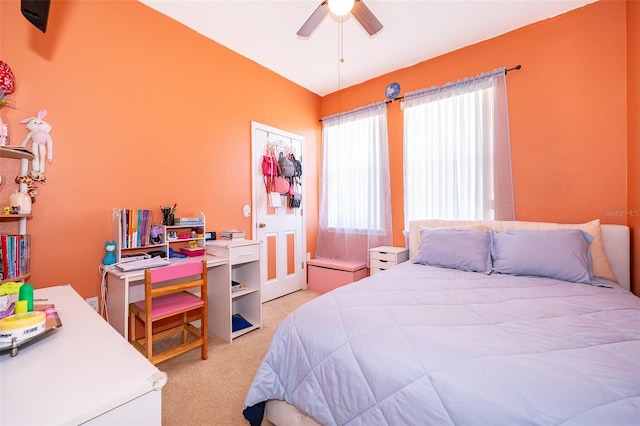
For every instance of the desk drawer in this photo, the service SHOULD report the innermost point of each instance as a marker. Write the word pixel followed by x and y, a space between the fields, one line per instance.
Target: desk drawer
pixel 244 254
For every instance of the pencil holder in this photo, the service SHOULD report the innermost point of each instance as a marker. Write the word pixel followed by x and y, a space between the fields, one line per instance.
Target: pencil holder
pixel 167 216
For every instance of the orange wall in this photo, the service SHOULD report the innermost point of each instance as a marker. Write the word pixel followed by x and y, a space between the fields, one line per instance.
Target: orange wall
pixel 567 109
pixel 145 112
pixel 633 71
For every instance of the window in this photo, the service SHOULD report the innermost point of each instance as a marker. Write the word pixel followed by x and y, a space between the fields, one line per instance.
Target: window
pixel 457 162
pixel 355 204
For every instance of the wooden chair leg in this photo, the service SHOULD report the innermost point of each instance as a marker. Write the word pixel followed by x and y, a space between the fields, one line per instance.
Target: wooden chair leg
pixel 148 337
pixel 204 350
pixel 184 327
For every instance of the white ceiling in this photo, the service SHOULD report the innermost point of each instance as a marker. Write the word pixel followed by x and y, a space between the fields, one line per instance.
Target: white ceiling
pixel 414 30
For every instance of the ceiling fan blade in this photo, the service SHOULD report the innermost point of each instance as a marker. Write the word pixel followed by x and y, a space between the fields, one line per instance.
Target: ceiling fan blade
pixel 366 18
pixel 314 20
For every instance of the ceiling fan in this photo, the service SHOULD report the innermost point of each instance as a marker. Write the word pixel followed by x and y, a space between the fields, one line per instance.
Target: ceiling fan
pixel 341 7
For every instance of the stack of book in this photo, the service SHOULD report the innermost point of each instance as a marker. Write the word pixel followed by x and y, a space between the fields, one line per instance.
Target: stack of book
pixel 14 255
pixel 233 234
pixel 136 227
pixel 237 286
pixel 188 221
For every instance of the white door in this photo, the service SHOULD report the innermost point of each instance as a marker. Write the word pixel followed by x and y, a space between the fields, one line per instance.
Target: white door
pixel 280 229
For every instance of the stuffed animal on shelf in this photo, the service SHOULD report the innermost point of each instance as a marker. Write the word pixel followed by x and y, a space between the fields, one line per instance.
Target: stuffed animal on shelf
pixel 42 143
pixel 30 181
pixel 110 255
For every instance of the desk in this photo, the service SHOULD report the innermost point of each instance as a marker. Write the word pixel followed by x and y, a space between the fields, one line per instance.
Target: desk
pixel 127 287
pixel 81 372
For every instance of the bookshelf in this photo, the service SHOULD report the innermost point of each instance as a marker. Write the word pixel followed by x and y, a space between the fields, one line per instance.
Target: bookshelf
pixel 23 156
pixel 136 239
pixel 226 305
pixel 186 235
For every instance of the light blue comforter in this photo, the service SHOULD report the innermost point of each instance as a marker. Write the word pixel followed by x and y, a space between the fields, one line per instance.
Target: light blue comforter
pixel 424 345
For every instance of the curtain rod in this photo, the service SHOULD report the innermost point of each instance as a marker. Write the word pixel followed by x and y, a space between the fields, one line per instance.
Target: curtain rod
pixel 506 71
pixel 400 98
pixel 517 67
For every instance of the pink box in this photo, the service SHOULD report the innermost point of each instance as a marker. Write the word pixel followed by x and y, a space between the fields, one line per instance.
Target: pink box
pixel 191 252
pixel 326 274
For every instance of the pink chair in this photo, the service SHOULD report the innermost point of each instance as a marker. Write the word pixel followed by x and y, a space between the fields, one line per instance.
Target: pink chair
pixel 166 296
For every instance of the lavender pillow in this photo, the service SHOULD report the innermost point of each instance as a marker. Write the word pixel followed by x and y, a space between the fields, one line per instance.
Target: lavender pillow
pixel 560 254
pixel 462 249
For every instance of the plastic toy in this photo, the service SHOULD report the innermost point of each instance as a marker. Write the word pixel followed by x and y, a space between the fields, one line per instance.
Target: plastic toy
pixel 110 256
pixel 42 144
pixel 156 233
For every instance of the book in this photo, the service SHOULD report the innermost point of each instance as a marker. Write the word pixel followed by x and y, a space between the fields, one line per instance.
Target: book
pixel 188 221
pixel 14 252
pixel 238 322
pixel 237 286
pixel 233 234
pixel 135 227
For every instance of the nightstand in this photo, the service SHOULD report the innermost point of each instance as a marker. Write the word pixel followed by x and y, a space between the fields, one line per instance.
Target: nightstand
pixel 385 257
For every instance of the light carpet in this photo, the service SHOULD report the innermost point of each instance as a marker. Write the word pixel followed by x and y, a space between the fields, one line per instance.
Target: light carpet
pixel 212 392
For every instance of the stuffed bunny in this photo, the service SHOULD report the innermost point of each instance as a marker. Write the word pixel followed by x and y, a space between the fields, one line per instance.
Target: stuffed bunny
pixel 41 141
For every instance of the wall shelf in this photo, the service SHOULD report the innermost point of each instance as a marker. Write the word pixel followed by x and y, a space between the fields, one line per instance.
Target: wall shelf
pixel 24 156
pixel 18 154
pixel 15 216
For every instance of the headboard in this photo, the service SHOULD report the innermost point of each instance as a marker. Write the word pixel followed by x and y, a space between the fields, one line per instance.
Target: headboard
pixel 617 246
pixel 615 238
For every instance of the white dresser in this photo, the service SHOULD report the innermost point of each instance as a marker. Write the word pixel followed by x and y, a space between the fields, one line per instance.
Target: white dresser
pixel 385 257
pixel 83 372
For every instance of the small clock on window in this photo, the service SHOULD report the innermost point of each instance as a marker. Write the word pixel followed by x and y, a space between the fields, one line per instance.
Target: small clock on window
pixel 392 91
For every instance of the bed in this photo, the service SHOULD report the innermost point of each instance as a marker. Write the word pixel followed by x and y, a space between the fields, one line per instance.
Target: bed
pixel 427 343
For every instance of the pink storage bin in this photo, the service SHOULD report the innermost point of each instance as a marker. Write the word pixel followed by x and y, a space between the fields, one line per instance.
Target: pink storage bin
pixel 326 274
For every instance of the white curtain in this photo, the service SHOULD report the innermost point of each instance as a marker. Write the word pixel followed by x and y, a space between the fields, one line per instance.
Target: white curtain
pixel 457 158
pixel 355 196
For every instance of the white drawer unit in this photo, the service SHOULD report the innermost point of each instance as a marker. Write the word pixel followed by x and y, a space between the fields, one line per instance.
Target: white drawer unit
pixel 385 257
pixel 233 313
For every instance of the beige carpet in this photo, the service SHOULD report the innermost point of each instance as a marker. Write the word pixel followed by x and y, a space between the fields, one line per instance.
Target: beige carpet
pixel 212 392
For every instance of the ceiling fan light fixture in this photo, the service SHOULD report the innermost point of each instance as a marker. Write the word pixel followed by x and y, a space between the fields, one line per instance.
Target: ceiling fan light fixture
pixel 340 7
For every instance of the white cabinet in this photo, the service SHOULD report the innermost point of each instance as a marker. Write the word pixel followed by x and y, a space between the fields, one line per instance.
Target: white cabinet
pixel 385 257
pixel 229 309
pixel 82 373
